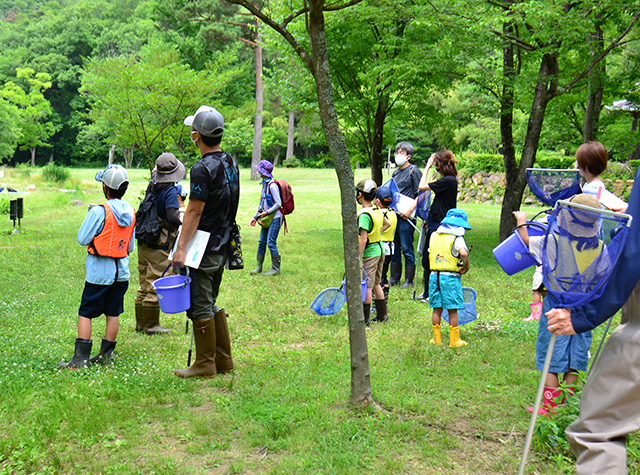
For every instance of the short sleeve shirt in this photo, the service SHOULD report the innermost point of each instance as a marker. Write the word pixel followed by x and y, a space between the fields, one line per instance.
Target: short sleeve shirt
pixel 446 195
pixel 216 181
pixel 167 198
pixel 408 180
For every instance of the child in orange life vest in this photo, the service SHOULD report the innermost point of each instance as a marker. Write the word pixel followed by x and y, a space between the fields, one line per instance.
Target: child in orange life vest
pixel 447 253
pixel 371 224
pixel 107 230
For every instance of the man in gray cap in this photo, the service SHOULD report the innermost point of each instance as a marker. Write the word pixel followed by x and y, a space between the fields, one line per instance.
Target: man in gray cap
pixel 153 252
pixel 213 204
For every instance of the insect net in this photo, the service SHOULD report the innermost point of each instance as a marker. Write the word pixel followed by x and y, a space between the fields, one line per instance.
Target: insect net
pixel 329 301
pixel 550 185
pixel 577 256
pixel 423 202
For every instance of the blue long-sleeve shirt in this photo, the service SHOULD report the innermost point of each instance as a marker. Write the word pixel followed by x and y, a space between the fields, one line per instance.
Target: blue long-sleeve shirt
pixel 102 270
pixel 623 280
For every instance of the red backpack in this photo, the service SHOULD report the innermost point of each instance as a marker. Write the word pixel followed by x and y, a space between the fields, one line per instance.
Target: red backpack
pixel 287 197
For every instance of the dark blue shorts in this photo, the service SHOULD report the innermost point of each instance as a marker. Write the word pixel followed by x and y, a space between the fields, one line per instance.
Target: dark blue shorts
pixel 103 299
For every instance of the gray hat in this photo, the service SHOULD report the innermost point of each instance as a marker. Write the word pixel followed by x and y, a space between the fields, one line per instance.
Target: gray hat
pixel 207 120
pixel 113 176
pixel 169 169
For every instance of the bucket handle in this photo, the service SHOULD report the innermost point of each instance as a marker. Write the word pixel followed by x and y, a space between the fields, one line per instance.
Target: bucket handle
pixel 532 223
pixel 169 266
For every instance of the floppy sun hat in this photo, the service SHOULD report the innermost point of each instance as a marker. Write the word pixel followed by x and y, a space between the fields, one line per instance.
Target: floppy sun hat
pixel 113 176
pixel 581 224
pixel 456 217
pixel 169 169
pixel 265 167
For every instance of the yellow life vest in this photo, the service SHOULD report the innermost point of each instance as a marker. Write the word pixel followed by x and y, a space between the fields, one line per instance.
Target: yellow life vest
pixel 585 257
pixel 441 257
pixel 375 235
pixel 389 234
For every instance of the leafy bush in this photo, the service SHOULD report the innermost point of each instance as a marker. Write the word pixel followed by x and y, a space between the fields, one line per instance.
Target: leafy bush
pixel 618 171
pixel 55 173
pixel 292 162
pixel 480 162
pixel 4 206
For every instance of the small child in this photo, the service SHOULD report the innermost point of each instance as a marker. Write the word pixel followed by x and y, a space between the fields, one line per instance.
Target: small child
pixel 538 291
pixel 383 200
pixel 371 225
pixel 448 261
pixel 571 352
pixel 107 230
pixel 591 161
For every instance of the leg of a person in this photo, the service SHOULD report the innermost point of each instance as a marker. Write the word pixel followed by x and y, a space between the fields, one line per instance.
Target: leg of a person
pixel 609 405
pixel 425 264
pixel 111 330
pixel 84 327
pixel 436 316
pixel 552 380
pixel 406 241
pixel 272 236
pixel 537 298
pixel 397 245
pixel 143 287
pixel 370 265
pixel 205 286
pixel 453 317
pixel 262 240
pixel 157 261
pixel 377 288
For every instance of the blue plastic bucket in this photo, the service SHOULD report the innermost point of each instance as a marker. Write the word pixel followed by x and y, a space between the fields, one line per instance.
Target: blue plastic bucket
pixel 174 293
pixel 512 254
pixel 363 283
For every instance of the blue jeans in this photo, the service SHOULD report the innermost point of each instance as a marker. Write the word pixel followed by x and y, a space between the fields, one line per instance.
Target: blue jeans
pixel 404 243
pixel 268 237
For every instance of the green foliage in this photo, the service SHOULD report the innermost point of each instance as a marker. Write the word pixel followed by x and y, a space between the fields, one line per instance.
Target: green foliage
pixel 55 173
pixel 482 162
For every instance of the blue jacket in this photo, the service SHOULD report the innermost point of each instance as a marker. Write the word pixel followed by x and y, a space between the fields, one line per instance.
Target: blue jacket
pixel 102 270
pixel 624 278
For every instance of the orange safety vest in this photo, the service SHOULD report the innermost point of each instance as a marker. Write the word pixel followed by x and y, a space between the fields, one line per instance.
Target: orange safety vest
pixel 113 240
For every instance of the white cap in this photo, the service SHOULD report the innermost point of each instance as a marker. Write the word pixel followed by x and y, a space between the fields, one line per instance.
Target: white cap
pixel 113 176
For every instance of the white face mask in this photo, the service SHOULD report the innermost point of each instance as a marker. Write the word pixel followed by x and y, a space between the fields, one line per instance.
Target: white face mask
pixel 400 159
pixel 191 137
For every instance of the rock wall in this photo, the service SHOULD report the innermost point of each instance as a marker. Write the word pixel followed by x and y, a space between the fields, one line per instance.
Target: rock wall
pixel 488 188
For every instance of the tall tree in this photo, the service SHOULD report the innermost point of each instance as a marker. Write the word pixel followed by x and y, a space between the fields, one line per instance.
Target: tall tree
pixel 317 62
pixel 34 111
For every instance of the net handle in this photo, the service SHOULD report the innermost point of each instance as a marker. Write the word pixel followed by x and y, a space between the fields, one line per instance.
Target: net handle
pixel 606 212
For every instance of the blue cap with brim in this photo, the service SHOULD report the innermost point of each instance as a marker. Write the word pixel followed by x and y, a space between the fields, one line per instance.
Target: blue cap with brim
pixel 456 217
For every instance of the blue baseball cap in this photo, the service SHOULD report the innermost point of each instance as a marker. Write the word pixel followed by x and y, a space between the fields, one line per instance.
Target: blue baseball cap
pixel 456 217
pixel 384 195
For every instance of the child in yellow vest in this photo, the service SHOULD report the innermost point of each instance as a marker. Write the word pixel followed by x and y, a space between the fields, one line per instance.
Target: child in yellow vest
pixel 384 198
pixel 371 224
pixel 448 261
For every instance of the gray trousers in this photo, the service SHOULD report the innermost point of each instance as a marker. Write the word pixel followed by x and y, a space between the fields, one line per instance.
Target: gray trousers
pixel 205 285
pixel 610 403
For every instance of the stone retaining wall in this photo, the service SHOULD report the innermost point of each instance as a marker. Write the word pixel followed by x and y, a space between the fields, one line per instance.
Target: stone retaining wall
pixel 488 188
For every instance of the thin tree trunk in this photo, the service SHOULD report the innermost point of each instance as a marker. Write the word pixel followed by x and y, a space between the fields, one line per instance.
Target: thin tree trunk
pixel 360 376
pixel 33 156
pixel 376 142
pixel 257 131
pixel 292 119
pixel 276 156
pixel 596 85
pixel 516 177
pixel 112 152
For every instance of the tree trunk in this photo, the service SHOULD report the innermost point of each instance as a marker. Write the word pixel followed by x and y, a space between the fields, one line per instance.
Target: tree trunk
pixel 33 156
pixel 276 156
pixel 596 85
pixel 112 152
pixel 376 143
pixel 257 131
pixel 516 175
pixel 292 119
pixel 360 375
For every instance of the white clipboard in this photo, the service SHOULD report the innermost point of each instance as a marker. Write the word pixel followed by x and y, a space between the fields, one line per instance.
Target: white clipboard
pixel 195 249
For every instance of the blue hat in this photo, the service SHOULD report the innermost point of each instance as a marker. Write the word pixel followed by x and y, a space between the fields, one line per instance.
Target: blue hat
pixel 456 217
pixel 265 167
pixel 384 195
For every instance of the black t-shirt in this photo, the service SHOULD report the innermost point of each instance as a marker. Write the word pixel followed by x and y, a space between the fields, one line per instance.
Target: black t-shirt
pixel 408 180
pixel 446 191
pixel 216 181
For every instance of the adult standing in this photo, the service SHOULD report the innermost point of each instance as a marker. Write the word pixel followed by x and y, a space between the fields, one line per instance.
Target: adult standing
pixel 153 258
pixel 213 205
pixel 445 189
pixel 609 406
pixel 407 178
pixel 269 217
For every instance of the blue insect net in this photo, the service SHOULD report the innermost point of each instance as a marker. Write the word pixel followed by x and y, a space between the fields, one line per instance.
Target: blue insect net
pixel 551 185
pixel 578 255
pixel 329 301
pixel 423 203
pixel 468 313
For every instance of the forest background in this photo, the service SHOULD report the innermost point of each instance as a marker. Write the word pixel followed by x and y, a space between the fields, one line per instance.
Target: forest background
pixel 90 80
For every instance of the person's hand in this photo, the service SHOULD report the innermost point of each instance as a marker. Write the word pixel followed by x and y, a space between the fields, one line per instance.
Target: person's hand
pixel 404 216
pixel 262 215
pixel 560 321
pixel 179 257
pixel 253 222
pixel 521 216
pixel 431 159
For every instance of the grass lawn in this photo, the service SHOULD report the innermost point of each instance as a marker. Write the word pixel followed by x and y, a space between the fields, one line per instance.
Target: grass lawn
pixel 285 409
